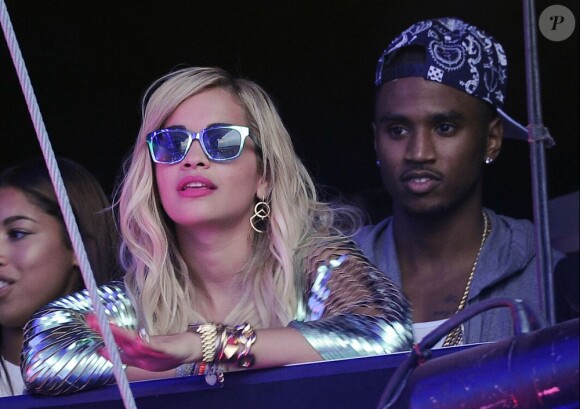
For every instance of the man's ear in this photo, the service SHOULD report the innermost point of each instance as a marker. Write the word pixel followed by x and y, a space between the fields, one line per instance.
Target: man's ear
pixel 494 139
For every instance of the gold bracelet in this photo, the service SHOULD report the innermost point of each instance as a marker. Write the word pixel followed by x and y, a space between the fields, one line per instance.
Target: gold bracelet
pixel 228 347
pixel 246 337
pixel 236 345
pixel 210 342
pixel 220 343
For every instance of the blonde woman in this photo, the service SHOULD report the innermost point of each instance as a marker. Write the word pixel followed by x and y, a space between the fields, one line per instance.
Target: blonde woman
pixel 231 260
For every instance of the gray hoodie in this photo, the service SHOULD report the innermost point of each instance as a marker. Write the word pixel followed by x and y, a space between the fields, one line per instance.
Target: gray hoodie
pixel 506 269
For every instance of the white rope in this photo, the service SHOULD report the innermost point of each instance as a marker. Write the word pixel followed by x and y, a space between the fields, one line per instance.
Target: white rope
pixel 65 206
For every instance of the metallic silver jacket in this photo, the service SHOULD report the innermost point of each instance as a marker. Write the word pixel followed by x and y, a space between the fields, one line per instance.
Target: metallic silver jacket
pixel 348 309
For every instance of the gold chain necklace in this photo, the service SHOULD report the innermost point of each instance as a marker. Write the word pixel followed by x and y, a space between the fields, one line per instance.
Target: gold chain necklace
pixel 455 337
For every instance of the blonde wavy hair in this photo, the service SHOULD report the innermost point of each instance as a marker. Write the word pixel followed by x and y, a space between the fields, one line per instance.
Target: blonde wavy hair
pixel 156 275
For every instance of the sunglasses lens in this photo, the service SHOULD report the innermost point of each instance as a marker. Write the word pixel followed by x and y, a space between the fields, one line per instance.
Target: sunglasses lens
pixel 222 143
pixel 169 146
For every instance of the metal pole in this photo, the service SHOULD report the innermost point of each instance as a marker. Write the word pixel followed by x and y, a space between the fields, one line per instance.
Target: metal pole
pixel 538 137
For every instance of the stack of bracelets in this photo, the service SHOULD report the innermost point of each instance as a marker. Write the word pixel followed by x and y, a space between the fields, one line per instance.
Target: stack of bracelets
pixel 220 344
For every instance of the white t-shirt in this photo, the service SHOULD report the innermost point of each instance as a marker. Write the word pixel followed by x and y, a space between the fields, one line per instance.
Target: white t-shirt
pixel 421 329
pixel 15 378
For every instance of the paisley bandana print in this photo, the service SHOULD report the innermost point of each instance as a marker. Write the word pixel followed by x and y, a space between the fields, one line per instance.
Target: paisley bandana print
pixel 456 54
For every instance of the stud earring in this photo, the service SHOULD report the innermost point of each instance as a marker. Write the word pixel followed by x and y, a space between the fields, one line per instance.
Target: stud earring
pixel 488 160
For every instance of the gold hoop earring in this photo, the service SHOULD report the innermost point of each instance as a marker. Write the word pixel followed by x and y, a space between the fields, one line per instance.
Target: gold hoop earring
pixel 259 220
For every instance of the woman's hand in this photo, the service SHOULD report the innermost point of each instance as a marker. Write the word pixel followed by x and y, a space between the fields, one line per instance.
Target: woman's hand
pixel 155 353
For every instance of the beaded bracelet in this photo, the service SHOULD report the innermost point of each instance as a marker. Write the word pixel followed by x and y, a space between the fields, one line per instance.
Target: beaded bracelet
pixel 192 368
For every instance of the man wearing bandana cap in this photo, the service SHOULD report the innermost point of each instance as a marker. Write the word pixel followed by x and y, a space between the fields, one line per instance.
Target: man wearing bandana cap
pixel 440 89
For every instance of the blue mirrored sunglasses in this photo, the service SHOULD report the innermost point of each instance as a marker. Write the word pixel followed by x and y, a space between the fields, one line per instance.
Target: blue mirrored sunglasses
pixel 219 142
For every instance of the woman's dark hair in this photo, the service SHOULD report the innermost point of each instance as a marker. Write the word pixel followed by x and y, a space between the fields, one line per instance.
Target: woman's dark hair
pixel 90 205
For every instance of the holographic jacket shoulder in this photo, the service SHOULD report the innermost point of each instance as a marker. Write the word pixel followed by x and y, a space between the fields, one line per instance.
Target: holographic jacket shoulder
pixel 348 309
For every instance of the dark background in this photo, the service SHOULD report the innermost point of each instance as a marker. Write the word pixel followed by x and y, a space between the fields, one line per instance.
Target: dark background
pixel 90 61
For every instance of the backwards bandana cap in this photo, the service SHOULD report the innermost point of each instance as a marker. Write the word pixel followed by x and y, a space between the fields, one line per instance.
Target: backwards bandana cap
pixel 459 55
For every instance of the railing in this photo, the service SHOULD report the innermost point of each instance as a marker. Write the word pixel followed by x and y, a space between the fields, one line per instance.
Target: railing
pixel 516 366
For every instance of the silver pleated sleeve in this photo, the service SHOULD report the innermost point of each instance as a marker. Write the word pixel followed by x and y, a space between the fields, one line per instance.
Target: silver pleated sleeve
pixel 59 354
pixel 350 308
